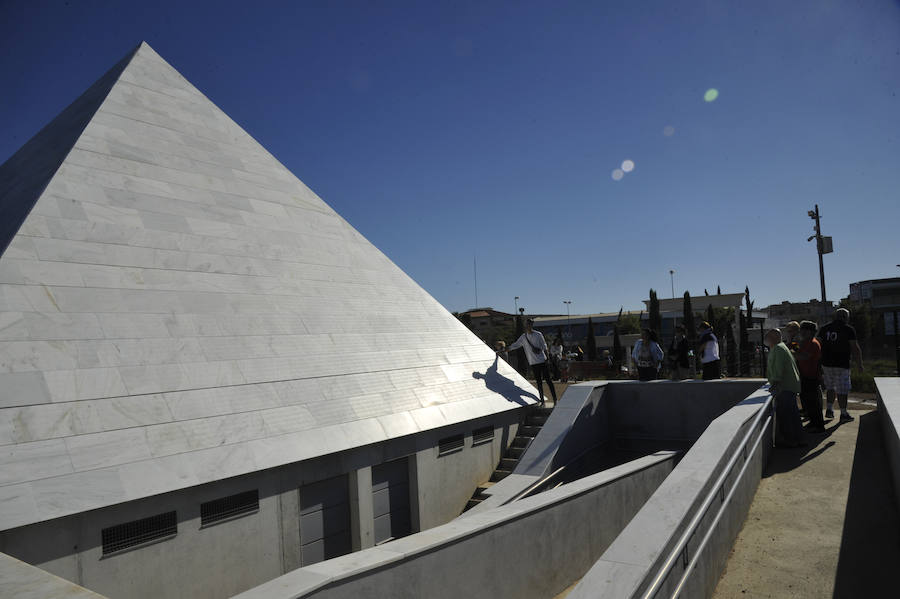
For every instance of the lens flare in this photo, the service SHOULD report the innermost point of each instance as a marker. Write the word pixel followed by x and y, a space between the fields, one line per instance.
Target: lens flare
pixel 668 130
pixel 628 165
pixel 711 94
pixel 617 174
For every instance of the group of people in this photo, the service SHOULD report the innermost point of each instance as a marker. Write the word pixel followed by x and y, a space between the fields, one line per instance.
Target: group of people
pixel 802 360
pixel 648 355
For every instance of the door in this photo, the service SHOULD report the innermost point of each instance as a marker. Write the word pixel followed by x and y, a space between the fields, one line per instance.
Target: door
pixel 390 500
pixel 324 520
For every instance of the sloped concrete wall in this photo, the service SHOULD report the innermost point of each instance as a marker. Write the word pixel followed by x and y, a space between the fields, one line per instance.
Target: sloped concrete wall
pixel 889 412
pixel 532 549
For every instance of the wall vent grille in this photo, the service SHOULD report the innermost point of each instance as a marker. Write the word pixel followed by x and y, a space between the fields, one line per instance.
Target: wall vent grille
pixel 482 435
pixel 139 532
pixel 229 507
pixel 451 444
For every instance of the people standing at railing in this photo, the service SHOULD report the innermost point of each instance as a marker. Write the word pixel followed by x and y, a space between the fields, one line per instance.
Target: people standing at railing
pixel 647 355
pixel 808 355
pixel 789 334
pixel 536 351
pixel 709 352
pixel 838 343
pixel 680 355
pixel 784 385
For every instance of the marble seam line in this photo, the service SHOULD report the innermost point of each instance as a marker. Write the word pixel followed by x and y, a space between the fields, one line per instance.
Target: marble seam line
pixel 338 426
pixel 210 272
pixel 178 170
pixel 308 378
pixel 262 158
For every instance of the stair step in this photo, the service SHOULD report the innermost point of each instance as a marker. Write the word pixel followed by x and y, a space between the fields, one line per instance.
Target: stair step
pixel 521 442
pixel 508 463
pixel 536 419
pixel 486 485
pixel 471 503
pixel 515 452
pixel 529 431
pixel 499 475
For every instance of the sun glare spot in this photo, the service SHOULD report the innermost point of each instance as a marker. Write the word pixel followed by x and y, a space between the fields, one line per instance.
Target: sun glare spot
pixel 617 174
pixel 668 130
pixel 628 165
pixel 711 94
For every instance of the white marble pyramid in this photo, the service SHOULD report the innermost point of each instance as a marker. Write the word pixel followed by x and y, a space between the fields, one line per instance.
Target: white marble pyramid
pixel 176 307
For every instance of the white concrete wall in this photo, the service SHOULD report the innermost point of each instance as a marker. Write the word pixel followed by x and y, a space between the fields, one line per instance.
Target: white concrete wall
pixel 231 556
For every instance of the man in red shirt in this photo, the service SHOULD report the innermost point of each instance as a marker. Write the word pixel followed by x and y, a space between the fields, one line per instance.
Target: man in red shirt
pixel 808 356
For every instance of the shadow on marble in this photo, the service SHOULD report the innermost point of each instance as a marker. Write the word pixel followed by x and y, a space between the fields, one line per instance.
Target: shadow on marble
pixel 496 382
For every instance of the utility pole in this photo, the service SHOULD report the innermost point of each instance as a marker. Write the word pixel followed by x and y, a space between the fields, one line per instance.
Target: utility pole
pixel 516 300
pixel 823 246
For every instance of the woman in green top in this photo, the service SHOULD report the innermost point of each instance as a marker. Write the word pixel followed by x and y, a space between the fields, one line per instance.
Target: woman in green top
pixel 784 385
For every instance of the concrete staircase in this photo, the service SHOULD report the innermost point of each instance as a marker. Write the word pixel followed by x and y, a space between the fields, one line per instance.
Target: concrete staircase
pixel 528 430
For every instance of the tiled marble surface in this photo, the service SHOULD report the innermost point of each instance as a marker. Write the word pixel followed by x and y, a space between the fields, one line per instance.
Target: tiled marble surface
pixel 177 307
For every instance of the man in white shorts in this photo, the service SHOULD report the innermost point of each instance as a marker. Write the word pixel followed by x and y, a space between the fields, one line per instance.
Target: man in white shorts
pixel 838 342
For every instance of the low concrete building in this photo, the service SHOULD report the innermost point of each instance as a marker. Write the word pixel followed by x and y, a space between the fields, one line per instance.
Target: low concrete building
pixel 207 377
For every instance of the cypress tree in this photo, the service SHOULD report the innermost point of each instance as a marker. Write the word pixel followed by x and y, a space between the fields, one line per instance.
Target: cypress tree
pixel 730 350
pixel 655 320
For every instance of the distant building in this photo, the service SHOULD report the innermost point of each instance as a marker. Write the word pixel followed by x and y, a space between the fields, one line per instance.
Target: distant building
pixel 783 313
pixel 482 320
pixel 881 294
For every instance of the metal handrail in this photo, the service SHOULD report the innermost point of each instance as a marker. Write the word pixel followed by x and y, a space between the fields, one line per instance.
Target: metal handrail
pixel 536 485
pixel 715 522
pixel 719 487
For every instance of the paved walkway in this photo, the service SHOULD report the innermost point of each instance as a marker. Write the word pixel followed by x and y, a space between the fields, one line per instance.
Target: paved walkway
pixel 823 523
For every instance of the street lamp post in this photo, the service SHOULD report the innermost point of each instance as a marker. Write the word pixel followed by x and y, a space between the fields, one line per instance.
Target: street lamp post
pixel 516 299
pixel 820 249
pixel 568 324
pixel 672 277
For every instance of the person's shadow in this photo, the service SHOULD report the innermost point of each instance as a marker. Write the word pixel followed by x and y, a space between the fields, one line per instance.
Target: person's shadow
pixel 496 382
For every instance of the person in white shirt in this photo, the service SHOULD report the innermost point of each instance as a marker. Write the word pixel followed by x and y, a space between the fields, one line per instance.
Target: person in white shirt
pixel 647 356
pixel 536 351
pixel 709 352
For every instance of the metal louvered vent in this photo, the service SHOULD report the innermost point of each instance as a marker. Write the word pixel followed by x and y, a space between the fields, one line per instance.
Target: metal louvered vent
pixel 229 507
pixel 139 532
pixel 451 444
pixel 482 435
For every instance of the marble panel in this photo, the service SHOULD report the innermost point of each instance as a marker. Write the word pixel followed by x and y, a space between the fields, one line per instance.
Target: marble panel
pixel 109 448
pixel 13 299
pixel 45 326
pixel 21 248
pixel 73 493
pixel 34 272
pixel 22 388
pixel 86 383
pixel 202 403
pixel 30 461
pixel 179 377
pixel 158 475
pixel 17 506
pixel 74 299
pixel 299 391
pixel 290 419
pixel 22 356
pixel 12 326
pixel 134 326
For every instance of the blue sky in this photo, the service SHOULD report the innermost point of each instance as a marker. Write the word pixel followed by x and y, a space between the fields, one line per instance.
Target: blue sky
pixel 445 131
